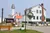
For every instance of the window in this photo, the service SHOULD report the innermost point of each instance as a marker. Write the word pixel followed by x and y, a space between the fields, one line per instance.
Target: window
pixel 40 17
pixel 37 11
pixel 33 17
pixel 37 17
pixel 40 11
pixel 38 6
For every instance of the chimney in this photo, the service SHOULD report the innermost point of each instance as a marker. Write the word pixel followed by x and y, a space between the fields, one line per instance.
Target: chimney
pixel 2 16
pixel 42 12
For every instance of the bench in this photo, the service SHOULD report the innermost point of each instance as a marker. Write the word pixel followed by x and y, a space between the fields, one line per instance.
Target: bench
pixel 5 26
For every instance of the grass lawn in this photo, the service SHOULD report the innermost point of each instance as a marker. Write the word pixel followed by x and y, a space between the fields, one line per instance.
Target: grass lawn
pixel 20 31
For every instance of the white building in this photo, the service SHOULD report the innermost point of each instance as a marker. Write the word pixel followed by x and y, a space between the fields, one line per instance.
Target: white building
pixel 35 13
pixel 0 20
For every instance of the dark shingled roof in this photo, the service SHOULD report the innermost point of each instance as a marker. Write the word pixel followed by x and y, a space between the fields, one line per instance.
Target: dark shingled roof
pixel 13 6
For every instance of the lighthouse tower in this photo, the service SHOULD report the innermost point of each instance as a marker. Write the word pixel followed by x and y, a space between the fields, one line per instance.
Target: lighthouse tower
pixel 13 9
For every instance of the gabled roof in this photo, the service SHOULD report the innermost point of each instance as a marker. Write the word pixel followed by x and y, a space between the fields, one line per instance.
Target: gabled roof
pixel 35 6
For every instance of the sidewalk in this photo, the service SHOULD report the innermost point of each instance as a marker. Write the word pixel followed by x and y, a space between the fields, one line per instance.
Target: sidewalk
pixel 45 29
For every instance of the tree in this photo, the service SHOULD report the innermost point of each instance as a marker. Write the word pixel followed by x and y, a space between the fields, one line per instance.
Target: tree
pixel 30 15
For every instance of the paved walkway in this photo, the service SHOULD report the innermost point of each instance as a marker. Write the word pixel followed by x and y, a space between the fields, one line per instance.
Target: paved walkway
pixel 43 29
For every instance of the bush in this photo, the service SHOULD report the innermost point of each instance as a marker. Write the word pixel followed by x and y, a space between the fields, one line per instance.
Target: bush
pixel 22 25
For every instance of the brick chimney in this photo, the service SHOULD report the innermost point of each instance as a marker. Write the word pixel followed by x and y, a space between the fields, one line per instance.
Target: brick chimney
pixel 42 12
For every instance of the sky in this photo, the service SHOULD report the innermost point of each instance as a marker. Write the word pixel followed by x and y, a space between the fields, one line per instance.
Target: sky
pixel 21 5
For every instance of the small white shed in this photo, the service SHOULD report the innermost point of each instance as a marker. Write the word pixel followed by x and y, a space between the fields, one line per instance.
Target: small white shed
pixel 0 19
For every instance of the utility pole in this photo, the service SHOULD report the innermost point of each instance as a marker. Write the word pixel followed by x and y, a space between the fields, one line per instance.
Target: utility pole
pixel 2 16
pixel 42 13
pixel 25 19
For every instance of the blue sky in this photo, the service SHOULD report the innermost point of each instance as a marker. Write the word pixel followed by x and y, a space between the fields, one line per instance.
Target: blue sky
pixel 20 5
